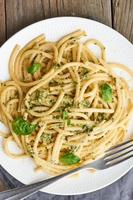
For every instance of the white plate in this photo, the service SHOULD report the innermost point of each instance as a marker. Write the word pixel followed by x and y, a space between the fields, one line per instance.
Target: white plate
pixel 119 49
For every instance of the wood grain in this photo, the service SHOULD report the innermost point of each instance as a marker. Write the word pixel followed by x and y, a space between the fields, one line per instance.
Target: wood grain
pixel 16 14
pixel 2 22
pixel 99 10
pixel 123 17
pixel 20 13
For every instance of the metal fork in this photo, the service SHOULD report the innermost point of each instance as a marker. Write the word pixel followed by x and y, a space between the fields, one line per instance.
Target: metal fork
pixel 112 157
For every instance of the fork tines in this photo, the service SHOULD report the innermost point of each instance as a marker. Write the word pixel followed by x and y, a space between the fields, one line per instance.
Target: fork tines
pixel 119 153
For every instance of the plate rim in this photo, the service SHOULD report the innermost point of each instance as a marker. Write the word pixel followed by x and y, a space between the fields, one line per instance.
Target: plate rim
pixel 65 17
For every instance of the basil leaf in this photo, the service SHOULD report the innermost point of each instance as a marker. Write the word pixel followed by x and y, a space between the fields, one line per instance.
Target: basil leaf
pixel 66 118
pixel 65 115
pixel 106 93
pixel 69 158
pixel 22 127
pixel 34 68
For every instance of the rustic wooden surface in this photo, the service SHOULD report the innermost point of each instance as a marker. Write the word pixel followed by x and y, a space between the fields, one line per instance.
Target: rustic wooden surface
pixel 122 13
pixel 16 14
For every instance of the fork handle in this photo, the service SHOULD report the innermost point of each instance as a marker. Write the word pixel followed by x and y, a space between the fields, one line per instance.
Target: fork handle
pixel 28 190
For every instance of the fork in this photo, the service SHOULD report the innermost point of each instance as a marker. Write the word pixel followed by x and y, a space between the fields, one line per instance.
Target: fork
pixel 113 156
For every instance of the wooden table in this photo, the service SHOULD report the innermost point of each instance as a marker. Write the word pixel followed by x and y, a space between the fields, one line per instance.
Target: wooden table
pixel 16 14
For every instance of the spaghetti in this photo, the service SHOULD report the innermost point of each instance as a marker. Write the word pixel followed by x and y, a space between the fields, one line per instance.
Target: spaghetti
pixel 63 106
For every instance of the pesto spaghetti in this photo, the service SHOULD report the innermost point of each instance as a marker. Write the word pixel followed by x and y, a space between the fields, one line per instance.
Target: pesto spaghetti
pixel 63 106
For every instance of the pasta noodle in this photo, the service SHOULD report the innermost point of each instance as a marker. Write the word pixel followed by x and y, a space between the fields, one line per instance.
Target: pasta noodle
pixel 64 106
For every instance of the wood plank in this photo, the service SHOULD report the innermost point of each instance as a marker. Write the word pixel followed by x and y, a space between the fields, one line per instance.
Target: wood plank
pixel 20 13
pixel 99 10
pixel 24 12
pixel 2 22
pixel 123 17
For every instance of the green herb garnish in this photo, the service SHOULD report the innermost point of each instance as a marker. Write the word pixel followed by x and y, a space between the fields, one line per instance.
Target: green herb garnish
pixel 84 104
pixel 22 127
pixel 84 73
pixel 69 158
pixel 106 93
pixel 65 115
pixel 34 68
pixel 68 122
pixel 46 137
pixel 87 128
pixel 41 96
pixel 102 116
